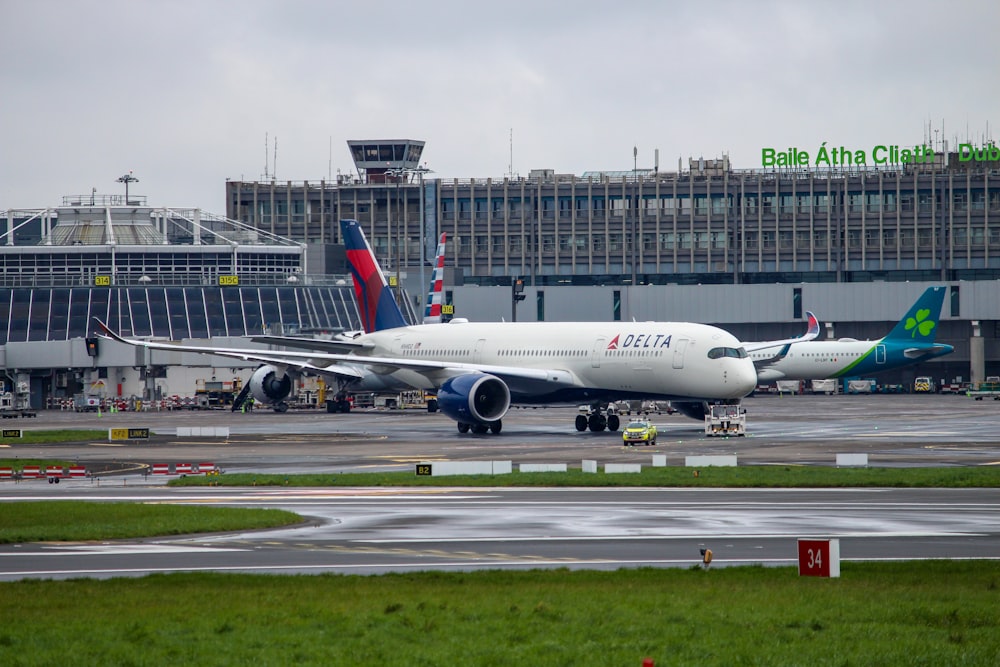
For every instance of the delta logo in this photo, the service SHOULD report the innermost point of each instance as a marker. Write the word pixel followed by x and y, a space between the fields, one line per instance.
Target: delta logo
pixel 640 340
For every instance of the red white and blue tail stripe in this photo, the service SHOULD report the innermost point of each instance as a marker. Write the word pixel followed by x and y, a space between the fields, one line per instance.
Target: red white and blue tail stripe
pixel 432 311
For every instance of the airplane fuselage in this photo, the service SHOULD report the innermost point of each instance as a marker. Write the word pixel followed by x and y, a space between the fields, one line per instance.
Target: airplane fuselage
pixel 820 360
pixel 573 362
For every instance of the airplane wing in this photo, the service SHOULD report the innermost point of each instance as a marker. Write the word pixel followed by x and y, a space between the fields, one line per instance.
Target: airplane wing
pixel 351 364
pixel 334 345
pixel 811 333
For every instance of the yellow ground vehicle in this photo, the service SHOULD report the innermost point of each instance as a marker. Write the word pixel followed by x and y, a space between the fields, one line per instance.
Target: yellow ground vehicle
pixel 923 385
pixel 639 432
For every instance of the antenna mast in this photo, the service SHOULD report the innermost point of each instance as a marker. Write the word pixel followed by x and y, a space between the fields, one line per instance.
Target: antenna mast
pixel 510 167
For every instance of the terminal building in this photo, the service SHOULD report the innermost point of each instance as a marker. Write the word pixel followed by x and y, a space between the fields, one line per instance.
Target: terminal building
pixel 746 249
pixel 174 274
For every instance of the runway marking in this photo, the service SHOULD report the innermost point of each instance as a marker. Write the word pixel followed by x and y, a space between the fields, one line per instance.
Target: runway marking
pixel 695 536
pixel 681 562
pixel 119 549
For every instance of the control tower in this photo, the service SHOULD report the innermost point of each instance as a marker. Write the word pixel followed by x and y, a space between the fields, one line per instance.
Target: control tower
pixel 385 160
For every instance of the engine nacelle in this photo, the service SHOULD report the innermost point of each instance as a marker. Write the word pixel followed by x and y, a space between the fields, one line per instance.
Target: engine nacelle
pixel 693 409
pixel 475 398
pixel 268 385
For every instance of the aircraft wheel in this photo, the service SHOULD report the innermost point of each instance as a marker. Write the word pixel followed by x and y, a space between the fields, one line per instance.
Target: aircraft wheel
pixel 581 422
pixel 597 423
pixel 281 407
pixel 480 428
pixel 496 426
pixel 613 422
pixel 463 428
pixel 432 405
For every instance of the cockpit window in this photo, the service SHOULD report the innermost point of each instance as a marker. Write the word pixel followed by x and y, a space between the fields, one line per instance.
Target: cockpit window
pixel 720 352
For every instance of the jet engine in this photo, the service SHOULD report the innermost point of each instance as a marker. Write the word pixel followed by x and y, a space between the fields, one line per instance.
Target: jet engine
pixel 475 398
pixel 270 386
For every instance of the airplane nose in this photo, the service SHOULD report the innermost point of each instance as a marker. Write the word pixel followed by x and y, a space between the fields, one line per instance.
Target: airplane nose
pixel 745 379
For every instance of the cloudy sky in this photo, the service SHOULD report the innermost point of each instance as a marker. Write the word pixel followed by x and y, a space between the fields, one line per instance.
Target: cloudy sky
pixel 184 92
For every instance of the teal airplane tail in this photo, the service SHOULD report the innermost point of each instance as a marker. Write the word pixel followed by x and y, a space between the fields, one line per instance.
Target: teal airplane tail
pixel 920 323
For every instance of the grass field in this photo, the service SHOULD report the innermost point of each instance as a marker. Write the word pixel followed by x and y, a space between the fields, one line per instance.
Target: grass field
pixel 930 613
pixel 62 435
pixel 59 520
pixel 742 476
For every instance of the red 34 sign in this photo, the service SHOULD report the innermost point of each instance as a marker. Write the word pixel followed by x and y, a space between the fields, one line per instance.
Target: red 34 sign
pixel 819 558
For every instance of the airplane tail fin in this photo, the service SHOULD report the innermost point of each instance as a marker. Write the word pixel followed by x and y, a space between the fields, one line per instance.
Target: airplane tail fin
pixel 432 311
pixel 376 303
pixel 919 324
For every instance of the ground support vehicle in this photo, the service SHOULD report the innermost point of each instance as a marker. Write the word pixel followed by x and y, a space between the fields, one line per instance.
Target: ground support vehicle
pixel 726 420
pixel 988 389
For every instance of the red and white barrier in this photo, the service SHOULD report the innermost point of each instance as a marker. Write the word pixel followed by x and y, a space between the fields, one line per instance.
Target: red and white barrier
pixel 183 468
pixel 6 473
pixel 77 472
pixel 31 472
pixel 206 468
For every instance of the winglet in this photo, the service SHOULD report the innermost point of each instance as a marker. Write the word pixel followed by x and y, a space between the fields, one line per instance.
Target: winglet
pixel 102 329
pixel 813 330
pixel 375 300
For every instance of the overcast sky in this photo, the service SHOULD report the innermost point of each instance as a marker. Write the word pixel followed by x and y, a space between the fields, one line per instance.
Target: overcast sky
pixel 184 92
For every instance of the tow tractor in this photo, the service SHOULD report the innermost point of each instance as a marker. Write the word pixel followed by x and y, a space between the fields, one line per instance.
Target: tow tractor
pixel 724 420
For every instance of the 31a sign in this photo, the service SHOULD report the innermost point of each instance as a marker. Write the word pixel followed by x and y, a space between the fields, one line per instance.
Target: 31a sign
pixel 819 558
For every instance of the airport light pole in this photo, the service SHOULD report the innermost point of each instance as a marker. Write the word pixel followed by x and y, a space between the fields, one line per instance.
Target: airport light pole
pixel 400 173
pixel 126 179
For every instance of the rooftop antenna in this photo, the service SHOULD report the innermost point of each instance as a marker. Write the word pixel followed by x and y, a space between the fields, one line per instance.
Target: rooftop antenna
pixel 274 165
pixel 329 162
pixel 510 167
pixel 635 159
pixel 266 164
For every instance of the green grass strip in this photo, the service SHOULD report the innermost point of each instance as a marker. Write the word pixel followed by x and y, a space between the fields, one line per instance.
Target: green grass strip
pixel 60 520
pixel 53 436
pixel 929 613
pixel 741 476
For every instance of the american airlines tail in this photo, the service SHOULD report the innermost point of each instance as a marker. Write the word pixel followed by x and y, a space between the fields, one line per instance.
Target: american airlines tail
pixel 376 304
pixel 432 311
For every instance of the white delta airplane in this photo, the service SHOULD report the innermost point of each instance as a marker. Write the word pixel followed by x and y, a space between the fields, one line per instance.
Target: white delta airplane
pixel 478 370
pixel 909 342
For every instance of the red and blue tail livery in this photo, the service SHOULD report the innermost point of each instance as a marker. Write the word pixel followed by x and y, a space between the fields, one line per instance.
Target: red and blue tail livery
pixel 376 304
pixel 432 309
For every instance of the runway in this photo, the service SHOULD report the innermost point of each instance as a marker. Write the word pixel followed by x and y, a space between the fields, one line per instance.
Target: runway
pixel 369 531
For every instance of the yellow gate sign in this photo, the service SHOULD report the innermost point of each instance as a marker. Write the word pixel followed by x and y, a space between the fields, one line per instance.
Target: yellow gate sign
pixel 128 434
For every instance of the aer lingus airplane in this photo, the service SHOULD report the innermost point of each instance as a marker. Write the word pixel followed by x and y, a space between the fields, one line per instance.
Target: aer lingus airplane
pixel 480 369
pixel 910 341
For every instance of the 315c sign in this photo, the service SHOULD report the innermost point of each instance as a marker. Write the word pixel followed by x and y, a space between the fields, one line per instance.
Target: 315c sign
pixel 228 281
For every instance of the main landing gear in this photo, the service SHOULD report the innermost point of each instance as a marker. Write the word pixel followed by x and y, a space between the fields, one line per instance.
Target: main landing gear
pixel 492 427
pixel 597 421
